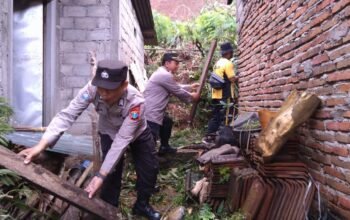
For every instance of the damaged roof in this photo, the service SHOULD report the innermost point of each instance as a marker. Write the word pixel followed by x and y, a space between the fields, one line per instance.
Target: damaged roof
pixel 144 16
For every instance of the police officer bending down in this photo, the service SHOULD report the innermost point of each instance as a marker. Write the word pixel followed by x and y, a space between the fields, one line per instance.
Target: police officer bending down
pixel 121 122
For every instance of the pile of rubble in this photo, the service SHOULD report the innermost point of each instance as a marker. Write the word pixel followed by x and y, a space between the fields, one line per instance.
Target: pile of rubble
pixel 261 175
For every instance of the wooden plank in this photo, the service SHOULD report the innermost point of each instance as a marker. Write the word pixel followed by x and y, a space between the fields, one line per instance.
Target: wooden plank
pixel 54 185
pixel 203 78
pixel 94 117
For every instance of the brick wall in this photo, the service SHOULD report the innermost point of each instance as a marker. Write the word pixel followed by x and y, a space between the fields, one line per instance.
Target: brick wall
pixel 108 27
pixel 303 45
pixel 4 32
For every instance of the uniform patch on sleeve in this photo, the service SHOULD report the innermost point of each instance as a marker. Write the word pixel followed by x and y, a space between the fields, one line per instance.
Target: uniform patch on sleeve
pixel 85 96
pixel 135 113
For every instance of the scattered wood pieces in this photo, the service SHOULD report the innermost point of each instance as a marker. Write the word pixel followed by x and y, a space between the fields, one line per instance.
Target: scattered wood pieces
pixel 198 186
pixel 53 184
pixel 203 194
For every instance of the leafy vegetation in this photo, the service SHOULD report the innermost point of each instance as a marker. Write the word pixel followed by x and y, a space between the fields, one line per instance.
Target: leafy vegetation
pixel 186 136
pixel 216 21
pixel 5 113
pixel 225 173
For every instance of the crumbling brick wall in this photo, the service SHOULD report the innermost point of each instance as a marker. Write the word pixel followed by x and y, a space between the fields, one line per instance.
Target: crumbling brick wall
pixel 303 45
pixel 108 27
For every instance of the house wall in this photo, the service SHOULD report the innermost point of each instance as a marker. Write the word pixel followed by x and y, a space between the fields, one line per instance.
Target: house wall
pixel 304 45
pixel 4 45
pixel 108 27
pixel 104 26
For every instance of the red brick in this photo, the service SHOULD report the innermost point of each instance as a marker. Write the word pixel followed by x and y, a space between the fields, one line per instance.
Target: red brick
pixel 334 172
pixel 342 138
pixel 311 3
pixel 320 18
pixel 338 185
pixel 335 102
pixel 323 4
pixel 338 76
pixel 343 214
pixel 343 87
pixel 338 126
pixel 322 114
pixel 346 12
pixel 311 52
pixel 331 44
pixel 321 158
pixel 340 150
pixel 320 59
pixel 319 125
pixel 316 166
pixel 328 193
pixel 318 176
pixel 305 151
pixel 344 201
pixel 339 52
pixel 346 114
pixel 347 176
pixel 322 136
pixel 292 8
pixel 323 90
pixel 340 5
pixel 326 68
pixel 315 82
pixel 343 64
pixel 340 212
pixel 299 12
pixel 346 39
pixel 340 163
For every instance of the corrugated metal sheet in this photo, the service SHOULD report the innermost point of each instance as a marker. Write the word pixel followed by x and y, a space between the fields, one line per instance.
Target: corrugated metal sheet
pixel 67 144
pixel 144 16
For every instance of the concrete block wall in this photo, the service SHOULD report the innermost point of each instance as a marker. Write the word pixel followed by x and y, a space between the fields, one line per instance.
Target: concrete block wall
pixel 4 45
pixel 304 45
pixel 104 26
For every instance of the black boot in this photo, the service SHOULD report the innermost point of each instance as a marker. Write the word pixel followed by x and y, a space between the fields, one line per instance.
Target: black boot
pixel 166 149
pixel 143 208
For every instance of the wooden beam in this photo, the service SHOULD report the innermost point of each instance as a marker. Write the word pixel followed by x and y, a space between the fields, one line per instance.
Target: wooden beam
pixel 94 117
pixel 203 78
pixel 47 181
pixel 294 112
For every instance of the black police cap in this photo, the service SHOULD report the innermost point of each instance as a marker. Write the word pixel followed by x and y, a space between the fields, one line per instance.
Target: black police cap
pixel 110 74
